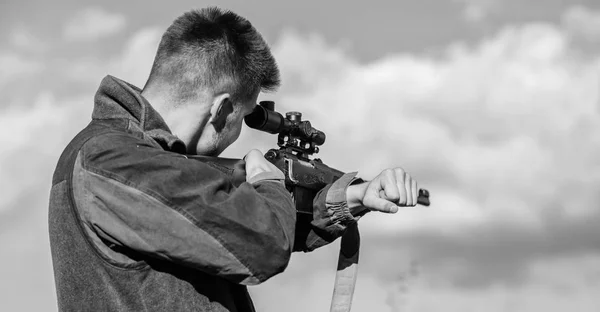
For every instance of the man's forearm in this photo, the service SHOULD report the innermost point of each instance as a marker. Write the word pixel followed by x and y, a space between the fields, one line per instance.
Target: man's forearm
pixel 354 194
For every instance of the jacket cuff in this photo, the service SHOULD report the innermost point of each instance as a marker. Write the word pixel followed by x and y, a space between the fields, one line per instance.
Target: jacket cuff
pixel 337 206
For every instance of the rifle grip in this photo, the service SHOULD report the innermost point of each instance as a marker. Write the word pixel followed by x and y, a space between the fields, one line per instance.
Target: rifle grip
pixel 423 197
pixel 422 200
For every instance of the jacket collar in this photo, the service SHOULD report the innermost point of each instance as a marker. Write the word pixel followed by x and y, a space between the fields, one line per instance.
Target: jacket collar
pixel 117 99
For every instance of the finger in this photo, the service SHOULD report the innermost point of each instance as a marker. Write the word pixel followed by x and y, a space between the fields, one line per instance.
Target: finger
pixel 389 186
pixel 415 191
pixel 400 178
pixel 407 187
pixel 252 153
pixel 373 201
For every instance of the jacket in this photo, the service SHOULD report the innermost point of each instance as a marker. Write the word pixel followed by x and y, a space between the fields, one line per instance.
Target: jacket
pixel 135 225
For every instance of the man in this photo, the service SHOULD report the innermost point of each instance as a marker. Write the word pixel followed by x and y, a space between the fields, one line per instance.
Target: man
pixel 136 225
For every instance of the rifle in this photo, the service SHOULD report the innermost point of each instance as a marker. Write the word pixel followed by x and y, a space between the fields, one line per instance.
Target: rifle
pixel 297 141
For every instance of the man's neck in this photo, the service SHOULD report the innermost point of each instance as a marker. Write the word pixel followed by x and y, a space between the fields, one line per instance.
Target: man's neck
pixel 184 120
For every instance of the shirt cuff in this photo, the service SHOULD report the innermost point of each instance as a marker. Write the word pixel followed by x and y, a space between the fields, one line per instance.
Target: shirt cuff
pixel 267 176
pixel 335 202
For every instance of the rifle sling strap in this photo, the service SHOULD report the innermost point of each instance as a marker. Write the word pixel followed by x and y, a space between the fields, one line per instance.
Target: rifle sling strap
pixel 345 278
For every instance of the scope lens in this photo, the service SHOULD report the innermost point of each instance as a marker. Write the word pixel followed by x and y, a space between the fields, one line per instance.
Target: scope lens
pixel 257 118
pixel 265 120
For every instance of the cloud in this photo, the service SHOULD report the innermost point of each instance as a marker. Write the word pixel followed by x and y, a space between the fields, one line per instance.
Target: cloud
pixel 582 21
pixel 93 23
pixel 42 126
pixel 132 63
pixel 33 136
pixel 559 293
pixel 314 290
pixel 505 134
pixel 21 38
pixel 493 120
pixel 476 11
pixel 15 66
pixel 553 286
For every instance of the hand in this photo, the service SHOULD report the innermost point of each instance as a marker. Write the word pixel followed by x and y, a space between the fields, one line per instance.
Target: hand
pixel 391 189
pixel 259 169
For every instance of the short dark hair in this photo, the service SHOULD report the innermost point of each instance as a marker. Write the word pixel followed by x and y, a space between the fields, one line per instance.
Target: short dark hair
pixel 211 47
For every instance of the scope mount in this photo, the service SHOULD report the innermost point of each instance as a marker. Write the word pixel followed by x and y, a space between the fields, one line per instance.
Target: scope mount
pixel 295 136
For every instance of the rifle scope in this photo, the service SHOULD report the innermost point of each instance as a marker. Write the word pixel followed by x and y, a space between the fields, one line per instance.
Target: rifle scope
pixel 265 118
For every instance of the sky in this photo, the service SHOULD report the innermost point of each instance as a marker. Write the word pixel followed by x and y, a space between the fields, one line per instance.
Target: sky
pixel 491 105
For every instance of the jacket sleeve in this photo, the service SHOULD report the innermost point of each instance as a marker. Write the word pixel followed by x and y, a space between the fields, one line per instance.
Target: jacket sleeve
pixel 135 195
pixel 331 216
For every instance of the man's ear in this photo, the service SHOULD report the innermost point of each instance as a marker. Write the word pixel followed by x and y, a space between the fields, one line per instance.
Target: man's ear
pixel 221 107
